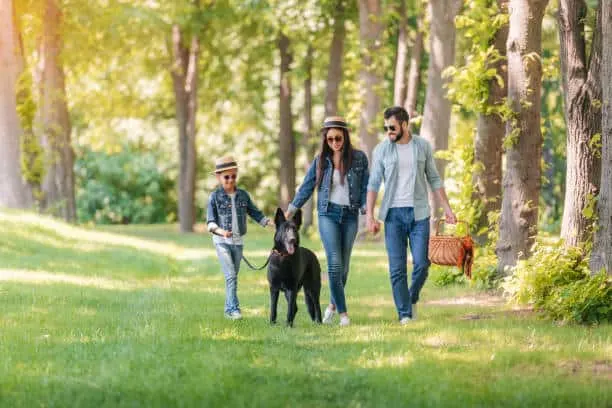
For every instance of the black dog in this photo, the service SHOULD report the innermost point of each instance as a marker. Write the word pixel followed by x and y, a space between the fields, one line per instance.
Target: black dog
pixel 292 267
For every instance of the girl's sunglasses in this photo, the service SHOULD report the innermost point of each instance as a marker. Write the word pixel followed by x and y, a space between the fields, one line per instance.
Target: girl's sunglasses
pixel 336 139
pixel 229 177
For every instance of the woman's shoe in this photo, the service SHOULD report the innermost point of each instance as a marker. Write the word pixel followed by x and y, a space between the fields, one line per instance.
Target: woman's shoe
pixel 328 316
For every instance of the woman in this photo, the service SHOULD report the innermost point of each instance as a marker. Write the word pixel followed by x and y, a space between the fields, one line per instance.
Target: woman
pixel 340 175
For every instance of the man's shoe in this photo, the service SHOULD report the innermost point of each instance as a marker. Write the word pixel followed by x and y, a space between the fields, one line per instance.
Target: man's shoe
pixel 235 315
pixel 328 316
pixel 344 320
pixel 405 320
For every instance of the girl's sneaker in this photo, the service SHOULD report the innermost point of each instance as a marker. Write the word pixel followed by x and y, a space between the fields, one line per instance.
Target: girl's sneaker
pixel 328 316
pixel 235 315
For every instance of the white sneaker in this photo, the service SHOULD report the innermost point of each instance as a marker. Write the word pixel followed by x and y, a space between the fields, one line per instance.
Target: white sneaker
pixel 405 320
pixel 344 320
pixel 328 316
pixel 235 315
pixel 414 311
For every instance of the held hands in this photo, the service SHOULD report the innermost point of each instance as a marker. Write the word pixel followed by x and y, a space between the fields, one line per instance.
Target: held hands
pixel 372 225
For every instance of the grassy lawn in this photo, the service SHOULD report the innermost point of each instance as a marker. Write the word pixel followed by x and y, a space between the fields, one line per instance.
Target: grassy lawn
pixel 133 316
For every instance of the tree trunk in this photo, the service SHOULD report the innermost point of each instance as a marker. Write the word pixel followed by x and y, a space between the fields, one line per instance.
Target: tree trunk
pixel 58 184
pixel 489 138
pixel 309 139
pixel 414 73
pixel 601 257
pixel 437 111
pixel 399 89
pixel 14 191
pixel 185 82
pixel 286 139
pixel 522 178
pixel 336 56
pixel 370 32
pixel 582 97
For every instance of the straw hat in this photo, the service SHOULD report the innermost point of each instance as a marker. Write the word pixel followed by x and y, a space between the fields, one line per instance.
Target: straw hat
pixel 334 122
pixel 225 163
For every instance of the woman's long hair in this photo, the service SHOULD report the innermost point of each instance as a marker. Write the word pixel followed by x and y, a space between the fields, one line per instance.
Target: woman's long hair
pixel 326 151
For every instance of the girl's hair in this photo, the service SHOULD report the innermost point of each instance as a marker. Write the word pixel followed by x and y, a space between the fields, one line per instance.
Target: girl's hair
pixel 347 155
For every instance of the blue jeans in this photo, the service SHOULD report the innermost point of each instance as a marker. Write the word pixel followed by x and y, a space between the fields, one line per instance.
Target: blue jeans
pixel 401 229
pixel 338 229
pixel 229 258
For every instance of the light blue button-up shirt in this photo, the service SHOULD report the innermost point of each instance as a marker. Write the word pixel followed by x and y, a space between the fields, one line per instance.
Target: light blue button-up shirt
pixel 385 169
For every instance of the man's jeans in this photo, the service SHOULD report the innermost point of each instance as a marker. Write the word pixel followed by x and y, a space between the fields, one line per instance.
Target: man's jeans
pixel 338 229
pixel 230 257
pixel 401 229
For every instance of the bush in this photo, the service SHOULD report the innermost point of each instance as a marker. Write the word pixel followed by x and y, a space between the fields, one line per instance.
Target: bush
pixel 557 282
pixel 124 187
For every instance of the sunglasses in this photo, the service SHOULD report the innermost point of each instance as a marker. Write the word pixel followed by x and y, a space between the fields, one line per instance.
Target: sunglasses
pixel 389 128
pixel 228 177
pixel 336 139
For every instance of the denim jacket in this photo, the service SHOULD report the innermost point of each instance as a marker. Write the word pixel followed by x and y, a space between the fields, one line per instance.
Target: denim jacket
pixel 384 168
pixel 357 177
pixel 219 213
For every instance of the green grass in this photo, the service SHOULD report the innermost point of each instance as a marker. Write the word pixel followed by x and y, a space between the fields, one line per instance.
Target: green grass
pixel 133 316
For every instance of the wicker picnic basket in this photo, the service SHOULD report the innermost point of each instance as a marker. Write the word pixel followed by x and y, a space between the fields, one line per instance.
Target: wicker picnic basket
pixel 451 250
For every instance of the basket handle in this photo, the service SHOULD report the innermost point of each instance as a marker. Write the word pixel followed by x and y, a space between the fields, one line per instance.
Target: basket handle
pixel 441 220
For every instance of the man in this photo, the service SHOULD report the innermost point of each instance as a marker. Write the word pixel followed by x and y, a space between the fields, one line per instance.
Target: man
pixel 405 163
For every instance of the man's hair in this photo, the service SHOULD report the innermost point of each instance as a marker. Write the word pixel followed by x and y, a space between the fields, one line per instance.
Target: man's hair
pixel 398 112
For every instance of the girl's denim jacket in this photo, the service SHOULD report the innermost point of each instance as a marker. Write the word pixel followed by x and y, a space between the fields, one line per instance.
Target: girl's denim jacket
pixel 219 213
pixel 357 177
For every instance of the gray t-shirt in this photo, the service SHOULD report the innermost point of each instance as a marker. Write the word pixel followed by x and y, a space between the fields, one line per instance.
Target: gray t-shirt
pixel 404 193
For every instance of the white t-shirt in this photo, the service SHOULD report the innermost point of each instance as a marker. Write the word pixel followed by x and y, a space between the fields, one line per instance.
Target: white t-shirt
pixel 235 239
pixel 339 192
pixel 404 194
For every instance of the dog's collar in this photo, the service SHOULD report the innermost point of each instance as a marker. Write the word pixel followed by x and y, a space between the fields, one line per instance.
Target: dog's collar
pixel 279 253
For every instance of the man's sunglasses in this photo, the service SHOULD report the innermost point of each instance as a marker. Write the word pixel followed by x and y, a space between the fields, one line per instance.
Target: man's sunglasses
pixel 228 177
pixel 332 139
pixel 389 128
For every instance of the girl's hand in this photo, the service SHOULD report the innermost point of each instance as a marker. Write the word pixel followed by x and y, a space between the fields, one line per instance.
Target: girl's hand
pixel 226 234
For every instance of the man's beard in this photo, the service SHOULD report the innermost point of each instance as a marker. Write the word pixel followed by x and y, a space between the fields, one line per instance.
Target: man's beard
pixel 398 136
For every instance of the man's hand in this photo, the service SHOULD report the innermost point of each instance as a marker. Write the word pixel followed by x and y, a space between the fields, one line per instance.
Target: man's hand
pixel 372 225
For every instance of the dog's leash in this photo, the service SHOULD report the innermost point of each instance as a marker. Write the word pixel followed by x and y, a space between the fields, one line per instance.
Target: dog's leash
pixel 254 268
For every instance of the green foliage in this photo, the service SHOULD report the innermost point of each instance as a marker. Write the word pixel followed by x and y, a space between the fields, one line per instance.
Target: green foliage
pixel 448 276
pixel 557 281
pixel 32 158
pixel 127 186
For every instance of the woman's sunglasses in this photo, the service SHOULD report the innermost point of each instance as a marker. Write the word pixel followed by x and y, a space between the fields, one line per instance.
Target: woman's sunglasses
pixel 229 177
pixel 336 139
pixel 389 128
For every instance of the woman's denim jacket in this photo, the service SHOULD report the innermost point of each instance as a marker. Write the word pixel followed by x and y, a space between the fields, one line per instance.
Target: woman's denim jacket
pixel 357 177
pixel 219 213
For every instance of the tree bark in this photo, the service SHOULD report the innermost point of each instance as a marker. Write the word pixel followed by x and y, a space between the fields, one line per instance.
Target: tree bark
pixel 582 97
pixel 336 56
pixel 14 191
pixel 414 72
pixel 437 111
pixel 370 31
pixel 489 137
pixel 601 257
pixel 286 139
pixel 58 184
pixel 522 178
pixel 309 139
pixel 399 88
pixel 184 73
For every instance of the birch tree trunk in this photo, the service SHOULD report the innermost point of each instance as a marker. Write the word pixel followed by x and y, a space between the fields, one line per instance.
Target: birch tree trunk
pixel 489 137
pixel 399 88
pixel 286 139
pixel 437 111
pixel 522 178
pixel 14 191
pixel 582 97
pixel 370 32
pixel 601 257
pixel 309 138
pixel 58 184
pixel 184 73
pixel 414 72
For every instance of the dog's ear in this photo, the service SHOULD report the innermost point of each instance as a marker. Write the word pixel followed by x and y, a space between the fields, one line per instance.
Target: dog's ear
pixel 297 218
pixel 279 218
